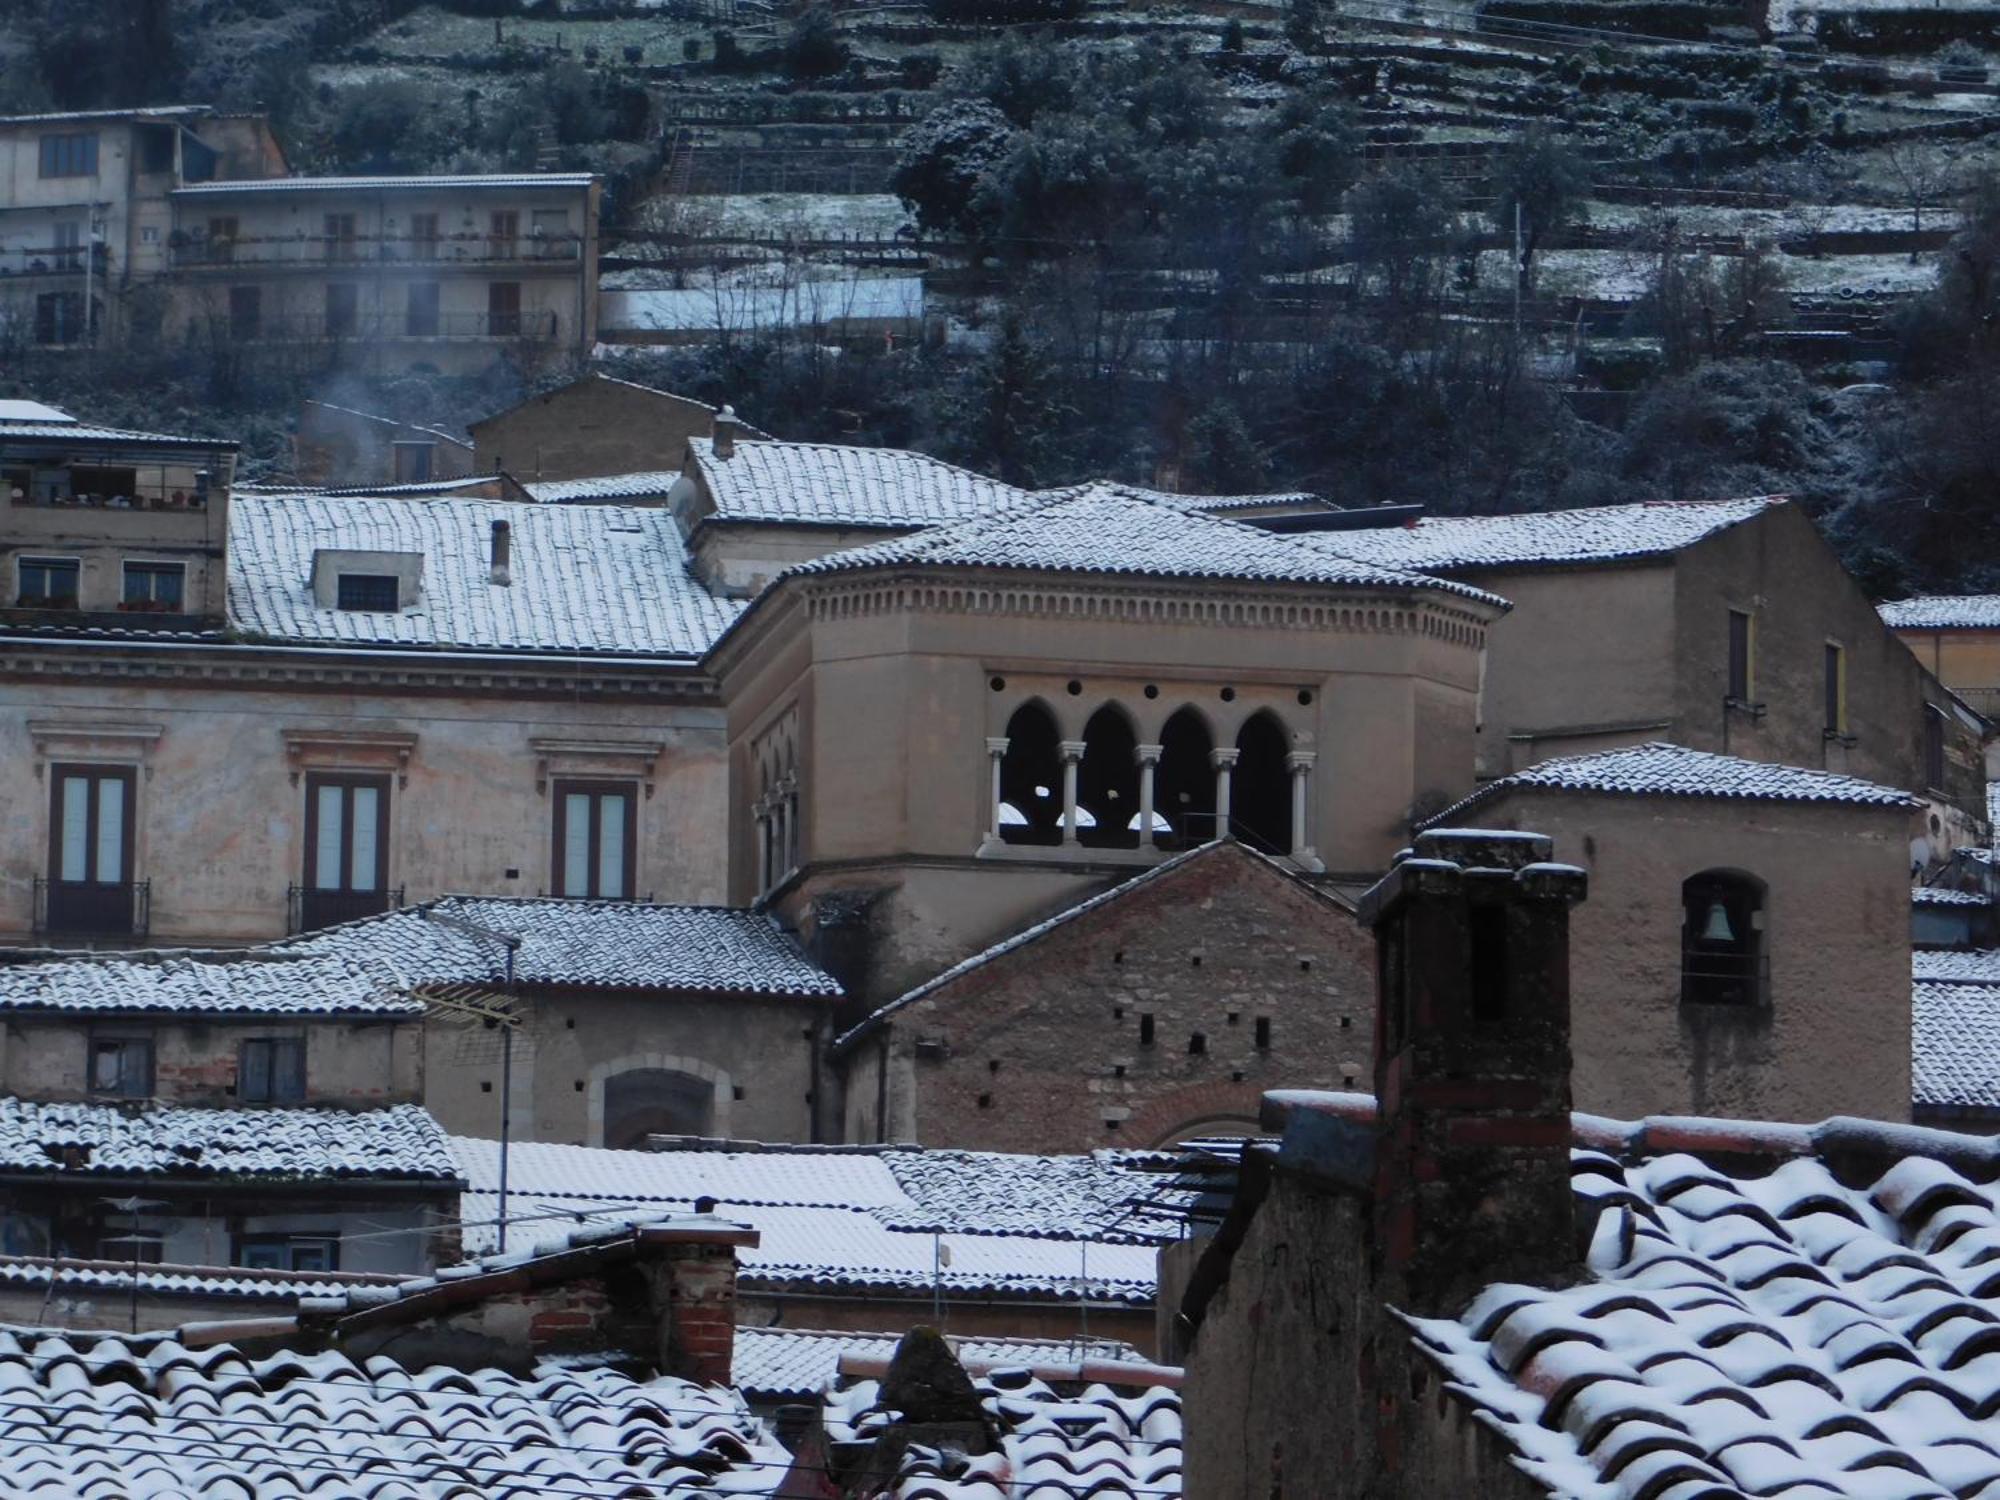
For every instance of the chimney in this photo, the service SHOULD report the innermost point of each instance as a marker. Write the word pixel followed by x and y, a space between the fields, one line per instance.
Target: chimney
pixel 725 432
pixel 503 552
pixel 1472 1066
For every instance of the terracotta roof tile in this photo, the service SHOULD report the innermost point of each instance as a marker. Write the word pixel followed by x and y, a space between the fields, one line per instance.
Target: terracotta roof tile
pixel 1605 533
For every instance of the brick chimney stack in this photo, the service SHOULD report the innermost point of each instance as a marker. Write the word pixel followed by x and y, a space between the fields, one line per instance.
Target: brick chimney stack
pixel 1472 1066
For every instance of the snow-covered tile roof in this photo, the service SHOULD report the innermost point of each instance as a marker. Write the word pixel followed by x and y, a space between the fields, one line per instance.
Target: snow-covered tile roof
pixel 601 580
pixel 1103 1442
pixel 1943 612
pixel 1934 895
pixel 66 429
pixel 186 983
pixel 385 184
pixel 796 1364
pixel 1106 528
pixel 12 411
pixel 1788 1331
pixel 645 484
pixel 1657 769
pixel 104 1417
pixel 1605 533
pixel 1952 966
pixel 617 944
pixel 842 1217
pixel 401 1141
pixel 1955 1044
pixel 73 1277
pixel 827 484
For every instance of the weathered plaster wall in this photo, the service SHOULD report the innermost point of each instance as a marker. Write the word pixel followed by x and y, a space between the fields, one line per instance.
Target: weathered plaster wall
pixel 1043 1049
pixel 1835 1038
pixel 589 427
pixel 220 820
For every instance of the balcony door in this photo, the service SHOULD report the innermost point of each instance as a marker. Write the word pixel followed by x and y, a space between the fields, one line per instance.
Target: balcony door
pixel 347 841
pixel 90 850
pixel 596 840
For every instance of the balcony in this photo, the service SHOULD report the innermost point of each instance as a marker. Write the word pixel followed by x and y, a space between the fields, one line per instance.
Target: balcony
pixel 92 908
pixel 308 910
pixel 537 326
pixel 322 252
pixel 53 260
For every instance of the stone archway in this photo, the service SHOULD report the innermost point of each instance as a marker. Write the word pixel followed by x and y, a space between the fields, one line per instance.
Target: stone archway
pixel 660 1086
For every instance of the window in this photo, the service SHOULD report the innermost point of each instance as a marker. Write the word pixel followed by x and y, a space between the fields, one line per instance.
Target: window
pixel 366 591
pixel 222 240
pixel 596 841
pixel 246 312
pixel 69 247
pixel 121 1065
pixel 340 237
pixel 1722 939
pixel 423 236
pixel 414 462
pixel 48 582
pixel 1933 747
pixel 289 1252
pixel 271 1070
pixel 69 155
pixel 58 317
pixel 90 849
pixel 347 841
pixel 551 232
pixel 1742 656
pixel 1836 689
pixel 342 309
pixel 503 228
pixel 154 586
pixel 420 316
pixel 503 309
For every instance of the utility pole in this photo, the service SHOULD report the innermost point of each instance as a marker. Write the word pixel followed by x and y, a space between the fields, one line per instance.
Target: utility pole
pixel 1520 271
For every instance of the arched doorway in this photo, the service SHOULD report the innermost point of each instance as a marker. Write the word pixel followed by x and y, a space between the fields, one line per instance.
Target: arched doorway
pixel 1260 794
pixel 1184 786
pixel 656 1101
pixel 1031 802
pixel 1107 782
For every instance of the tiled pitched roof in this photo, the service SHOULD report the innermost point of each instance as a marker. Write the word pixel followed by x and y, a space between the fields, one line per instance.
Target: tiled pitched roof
pixel 1104 528
pixel 69 430
pixel 103 1417
pixel 67 1140
pixel 1657 769
pixel 615 944
pixel 604 580
pixel 1943 612
pixel 1953 966
pixel 1103 1443
pixel 385 184
pixel 1606 533
pixel 1955 1044
pixel 826 484
pixel 644 484
pixel 842 1218
pixel 182 983
pixel 1787 1334
pixel 796 1364
pixel 1933 895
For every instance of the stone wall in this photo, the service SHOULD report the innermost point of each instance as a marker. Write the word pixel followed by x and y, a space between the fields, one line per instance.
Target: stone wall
pixel 1087 1035
pixel 591 426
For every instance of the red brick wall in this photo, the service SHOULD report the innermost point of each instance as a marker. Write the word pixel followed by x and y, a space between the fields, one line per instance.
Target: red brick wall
pixel 1045 1049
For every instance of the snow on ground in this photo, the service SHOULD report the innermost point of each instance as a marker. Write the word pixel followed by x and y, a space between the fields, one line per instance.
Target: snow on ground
pixel 777 215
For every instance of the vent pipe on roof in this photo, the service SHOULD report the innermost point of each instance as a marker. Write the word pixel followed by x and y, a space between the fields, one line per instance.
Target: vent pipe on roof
pixel 503 552
pixel 725 432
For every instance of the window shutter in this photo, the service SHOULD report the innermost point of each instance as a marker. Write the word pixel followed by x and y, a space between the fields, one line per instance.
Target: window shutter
pixel 253 1074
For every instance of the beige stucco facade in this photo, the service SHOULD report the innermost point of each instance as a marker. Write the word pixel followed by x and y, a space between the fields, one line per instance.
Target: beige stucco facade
pixel 595 425
pixel 1834 1035
pixel 222 741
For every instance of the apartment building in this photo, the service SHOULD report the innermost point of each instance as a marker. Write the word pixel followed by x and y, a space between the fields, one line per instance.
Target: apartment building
pixel 182 222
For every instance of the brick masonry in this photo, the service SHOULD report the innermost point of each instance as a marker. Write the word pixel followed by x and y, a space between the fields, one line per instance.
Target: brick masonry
pixel 1045 1046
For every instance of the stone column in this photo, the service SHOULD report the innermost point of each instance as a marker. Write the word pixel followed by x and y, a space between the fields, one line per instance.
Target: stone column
pixel 996 752
pixel 1300 763
pixel 1072 756
pixel 1224 762
pixel 781 842
pixel 793 838
pixel 763 811
pixel 1149 762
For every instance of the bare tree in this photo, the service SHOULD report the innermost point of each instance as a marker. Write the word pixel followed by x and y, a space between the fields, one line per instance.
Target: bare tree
pixel 1924 171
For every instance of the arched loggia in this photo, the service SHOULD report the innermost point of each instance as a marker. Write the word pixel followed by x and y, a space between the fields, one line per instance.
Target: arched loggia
pixel 1184 793
pixel 1031 800
pixel 1107 782
pixel 1261 793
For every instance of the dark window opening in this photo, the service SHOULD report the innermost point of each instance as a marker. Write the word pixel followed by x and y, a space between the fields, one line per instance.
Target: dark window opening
pixel 1722 939
pixel 985 1101
pixel 1263 1033
pixel 289 1252
pixel 1184 784
pixel 1836 689
pixel 1107 782
pixel 656 1101
pixel 1490 977
pixel 596 840
pixel 420 316
pixel 503 309
pixel 1197 1043
pixel 1031 778
pixel 246 312
pixel 121 1066
pixel 271 1070
pixel 48 582
pixel 343 309
pixel 1145 1031
pixel 1933 747
pixel 340 238
pixel 366 591
pixel 415 462
pixel 59 317
pixel 1742 666
pixel 156 148
pixel 154 586
pixel 1260 791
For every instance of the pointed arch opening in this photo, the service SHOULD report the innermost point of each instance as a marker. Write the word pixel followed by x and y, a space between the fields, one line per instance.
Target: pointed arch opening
pixel 1261 802
pixel 1184 793
pixel 1031 798
pixel 1107 781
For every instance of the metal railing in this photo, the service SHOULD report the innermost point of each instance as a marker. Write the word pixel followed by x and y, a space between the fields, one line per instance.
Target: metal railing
pixel 536 325
pixel 52 260
pixel 308 910
pixel 186 252
pixel 93 908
